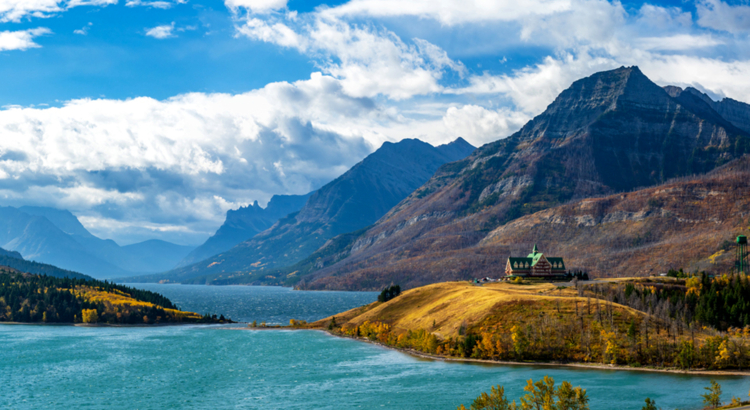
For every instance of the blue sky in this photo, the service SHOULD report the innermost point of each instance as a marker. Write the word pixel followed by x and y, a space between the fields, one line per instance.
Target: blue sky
pixel 150 119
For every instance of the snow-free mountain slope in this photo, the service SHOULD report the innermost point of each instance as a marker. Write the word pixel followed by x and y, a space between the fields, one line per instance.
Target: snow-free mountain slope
pixel 611 132
pixel 243 224
pixel 352 201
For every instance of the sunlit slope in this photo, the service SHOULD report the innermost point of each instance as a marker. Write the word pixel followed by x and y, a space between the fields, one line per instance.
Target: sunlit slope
pixel 442 308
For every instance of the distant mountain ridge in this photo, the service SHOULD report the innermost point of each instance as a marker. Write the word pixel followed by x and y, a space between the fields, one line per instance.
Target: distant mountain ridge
pixel 243 224
pixel 56 237
pixel 611 132
pixel 352 201
pixel 14 260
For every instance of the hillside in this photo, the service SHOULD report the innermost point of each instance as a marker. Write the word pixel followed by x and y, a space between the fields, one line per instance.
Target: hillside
pixel 31 298
pixel 352 201
pixel 690 223
pixel 15 261
pixel 655 322
pixel 243 224
pixel 56 237
pixel 611 132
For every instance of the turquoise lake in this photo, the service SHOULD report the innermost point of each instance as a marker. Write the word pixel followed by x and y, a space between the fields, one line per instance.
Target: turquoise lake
pixel 215 367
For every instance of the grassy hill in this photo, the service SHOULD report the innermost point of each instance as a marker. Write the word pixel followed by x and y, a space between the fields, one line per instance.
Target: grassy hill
pixel 656 322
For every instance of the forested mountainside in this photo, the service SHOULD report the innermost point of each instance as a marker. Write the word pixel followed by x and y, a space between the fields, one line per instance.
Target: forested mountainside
pixel 14 260
pixel 243 224
pixel 352 201
pixel 55 236
pixel 611 132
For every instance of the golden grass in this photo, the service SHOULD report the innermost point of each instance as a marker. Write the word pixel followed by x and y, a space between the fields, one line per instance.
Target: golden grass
pixel 448 305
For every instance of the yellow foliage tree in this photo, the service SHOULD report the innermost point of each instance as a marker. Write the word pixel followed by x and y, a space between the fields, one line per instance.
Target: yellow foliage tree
pixel 90 316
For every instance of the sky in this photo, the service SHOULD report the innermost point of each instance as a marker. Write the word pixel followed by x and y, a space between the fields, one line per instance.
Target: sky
pixel 152 118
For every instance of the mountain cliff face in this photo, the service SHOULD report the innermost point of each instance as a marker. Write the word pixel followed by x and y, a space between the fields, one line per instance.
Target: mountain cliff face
pixel 735 112
pixel 611 132
pixel 56 237
pixel 352 201
pixel 243 224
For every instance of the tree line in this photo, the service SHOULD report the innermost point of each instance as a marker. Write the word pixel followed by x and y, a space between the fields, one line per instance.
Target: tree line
pixel 31 298
pixel 544 395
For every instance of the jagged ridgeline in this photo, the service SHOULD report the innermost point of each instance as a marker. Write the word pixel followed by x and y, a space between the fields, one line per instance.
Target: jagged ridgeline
pixel 614 135
pixel 29 298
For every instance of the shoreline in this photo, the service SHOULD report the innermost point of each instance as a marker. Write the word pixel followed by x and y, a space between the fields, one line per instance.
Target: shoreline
pixel 577 365
pixel 104 324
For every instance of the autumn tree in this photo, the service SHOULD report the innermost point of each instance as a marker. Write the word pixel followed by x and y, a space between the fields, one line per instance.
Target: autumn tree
pixel 90 316
pixel 494 401
pixel 713 397
pixel 541 395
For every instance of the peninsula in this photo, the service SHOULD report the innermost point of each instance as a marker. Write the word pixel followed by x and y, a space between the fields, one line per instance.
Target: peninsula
pixel 668 323
pixel 30 298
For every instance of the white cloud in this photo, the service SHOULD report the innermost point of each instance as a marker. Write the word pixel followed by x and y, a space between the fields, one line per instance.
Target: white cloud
pixel 718 15
pixel 532 88
pixel 368 61
pixel 256 6
pixel 15 10
pixel 186 160
pixel 154 4
pixel 450 12
pixel 161 32
pixel 678 42
pixel 584 23
pixel 663 18
pixel 83 30
pixel 21 40
pixel 276 33
pixel 480 124
pixel 722 78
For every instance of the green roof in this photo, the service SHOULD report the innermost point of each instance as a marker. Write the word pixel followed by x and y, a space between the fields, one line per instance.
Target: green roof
pixel 532 260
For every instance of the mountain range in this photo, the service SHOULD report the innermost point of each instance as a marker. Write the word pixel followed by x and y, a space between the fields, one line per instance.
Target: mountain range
pixel 56 237
pixel 243 224
pixel 618 175
pixel 14 260
pixel 609 133
pixel 352 201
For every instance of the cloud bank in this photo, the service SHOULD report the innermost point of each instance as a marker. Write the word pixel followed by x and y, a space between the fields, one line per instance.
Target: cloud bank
pixel 384 71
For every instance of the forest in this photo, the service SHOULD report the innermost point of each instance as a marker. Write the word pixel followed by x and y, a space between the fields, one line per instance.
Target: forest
pixel 29 298
pixel 695 322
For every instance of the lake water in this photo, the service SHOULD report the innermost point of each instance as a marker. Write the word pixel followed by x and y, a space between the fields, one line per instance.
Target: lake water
pixel 199 367
pixel 271 304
